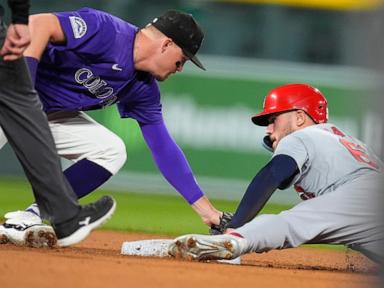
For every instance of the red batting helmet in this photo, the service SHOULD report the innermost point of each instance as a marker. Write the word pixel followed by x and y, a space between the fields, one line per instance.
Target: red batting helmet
pixel 293 97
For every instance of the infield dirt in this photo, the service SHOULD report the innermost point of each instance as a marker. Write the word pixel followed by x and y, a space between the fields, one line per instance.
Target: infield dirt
pixel 97 262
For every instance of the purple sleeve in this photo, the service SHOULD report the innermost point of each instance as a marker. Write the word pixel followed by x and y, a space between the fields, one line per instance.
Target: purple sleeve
pixel 84 25
pixel 171 161
pixel 32 65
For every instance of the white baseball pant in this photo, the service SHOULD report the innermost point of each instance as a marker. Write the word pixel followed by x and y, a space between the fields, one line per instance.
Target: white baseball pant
pixel 78 136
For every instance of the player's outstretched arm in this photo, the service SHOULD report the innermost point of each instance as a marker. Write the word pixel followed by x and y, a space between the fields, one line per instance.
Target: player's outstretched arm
pixel 279 172
pixel 44 28
pixel 207 212
pixel 172 163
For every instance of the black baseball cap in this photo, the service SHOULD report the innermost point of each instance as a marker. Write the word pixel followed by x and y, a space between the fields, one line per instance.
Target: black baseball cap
pixel 183 30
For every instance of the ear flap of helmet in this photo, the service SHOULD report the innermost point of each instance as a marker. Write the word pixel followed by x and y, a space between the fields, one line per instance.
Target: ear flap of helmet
pixel 267 143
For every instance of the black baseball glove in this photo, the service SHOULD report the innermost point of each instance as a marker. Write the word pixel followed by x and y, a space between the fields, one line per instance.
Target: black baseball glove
pixel 222 226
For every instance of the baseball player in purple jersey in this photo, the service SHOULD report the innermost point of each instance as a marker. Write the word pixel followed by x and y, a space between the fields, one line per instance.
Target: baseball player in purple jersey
pixel 336 175
pixel 89 59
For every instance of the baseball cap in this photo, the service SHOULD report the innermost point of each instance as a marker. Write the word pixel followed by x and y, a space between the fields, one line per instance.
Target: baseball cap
pixel 183 30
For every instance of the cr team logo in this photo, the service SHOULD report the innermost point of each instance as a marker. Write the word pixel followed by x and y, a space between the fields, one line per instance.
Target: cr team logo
pixel 98 87
pixel 79 27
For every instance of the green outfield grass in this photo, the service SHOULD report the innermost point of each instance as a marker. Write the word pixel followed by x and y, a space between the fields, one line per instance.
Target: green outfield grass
pixel 157 214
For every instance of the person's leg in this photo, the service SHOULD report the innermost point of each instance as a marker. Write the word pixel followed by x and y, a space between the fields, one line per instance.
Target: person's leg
pixel 97 153
pixel 27 131
pixel 348 215
pixel 26 127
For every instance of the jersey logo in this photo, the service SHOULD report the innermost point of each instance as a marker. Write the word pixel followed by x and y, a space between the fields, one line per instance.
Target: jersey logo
pixel 79 27
pixel 85 222
pixel 96 86
pixel 116 67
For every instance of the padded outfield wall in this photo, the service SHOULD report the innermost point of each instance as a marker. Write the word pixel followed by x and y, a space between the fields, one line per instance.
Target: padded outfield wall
pixel 208 113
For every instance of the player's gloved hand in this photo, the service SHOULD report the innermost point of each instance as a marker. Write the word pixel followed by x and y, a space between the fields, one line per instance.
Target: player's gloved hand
pixel 222 226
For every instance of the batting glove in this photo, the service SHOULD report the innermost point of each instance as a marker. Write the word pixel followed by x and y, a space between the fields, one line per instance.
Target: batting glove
pixel 220 228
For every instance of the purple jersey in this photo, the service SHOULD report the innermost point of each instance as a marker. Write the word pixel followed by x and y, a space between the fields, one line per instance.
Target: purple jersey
pixel 95 68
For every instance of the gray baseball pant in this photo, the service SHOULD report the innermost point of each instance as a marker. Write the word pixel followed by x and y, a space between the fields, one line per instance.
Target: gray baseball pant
pixel 26 127
pixel 349 215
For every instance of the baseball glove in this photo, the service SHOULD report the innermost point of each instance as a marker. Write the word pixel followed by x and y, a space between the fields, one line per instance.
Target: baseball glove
pixel 222 226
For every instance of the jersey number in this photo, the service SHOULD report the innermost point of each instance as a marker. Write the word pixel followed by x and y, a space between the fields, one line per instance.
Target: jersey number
pixel 357 151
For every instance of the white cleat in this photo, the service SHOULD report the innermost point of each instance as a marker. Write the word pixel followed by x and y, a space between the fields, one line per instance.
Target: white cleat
pixel 3 235
pixel 206 247
pixel 32 217
pixel 25 232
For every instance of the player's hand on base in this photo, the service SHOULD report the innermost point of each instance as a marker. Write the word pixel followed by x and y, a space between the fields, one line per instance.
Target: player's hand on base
pixel 17 40
pixel 221 228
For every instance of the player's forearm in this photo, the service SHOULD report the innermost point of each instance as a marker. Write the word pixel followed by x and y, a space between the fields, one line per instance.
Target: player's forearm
pixel 207 212
pixel 175 168
pixel 171 161
pixel 280 170
pixel 44 28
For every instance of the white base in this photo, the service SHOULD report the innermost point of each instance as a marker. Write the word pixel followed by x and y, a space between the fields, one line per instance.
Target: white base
pixel 149 248
pixel 156 248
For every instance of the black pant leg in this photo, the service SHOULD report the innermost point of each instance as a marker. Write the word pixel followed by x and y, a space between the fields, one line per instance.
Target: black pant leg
pixel 26 127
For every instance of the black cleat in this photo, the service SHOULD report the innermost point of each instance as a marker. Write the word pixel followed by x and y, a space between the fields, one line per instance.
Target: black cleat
pixel 89 217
